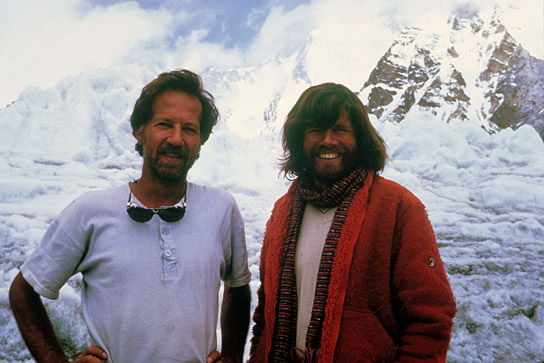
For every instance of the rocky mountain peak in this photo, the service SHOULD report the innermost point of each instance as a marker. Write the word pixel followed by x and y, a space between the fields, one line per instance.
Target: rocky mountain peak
pixel 472 69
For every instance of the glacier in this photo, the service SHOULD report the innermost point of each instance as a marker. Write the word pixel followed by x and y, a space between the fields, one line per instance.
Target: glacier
pixel 484 194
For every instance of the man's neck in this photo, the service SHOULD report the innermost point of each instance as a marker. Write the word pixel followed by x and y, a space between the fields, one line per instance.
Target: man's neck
pixel 321 186
pixel 154 194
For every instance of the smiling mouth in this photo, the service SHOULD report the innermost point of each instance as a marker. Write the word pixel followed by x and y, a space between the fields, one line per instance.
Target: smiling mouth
pixel 173 156
pixel 328 156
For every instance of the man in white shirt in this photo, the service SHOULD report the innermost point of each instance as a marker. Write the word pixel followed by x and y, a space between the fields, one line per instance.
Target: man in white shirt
pixel 152 253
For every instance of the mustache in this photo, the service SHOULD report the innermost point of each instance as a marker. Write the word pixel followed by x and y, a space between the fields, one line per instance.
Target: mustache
pixel 324 149
pixel 173 150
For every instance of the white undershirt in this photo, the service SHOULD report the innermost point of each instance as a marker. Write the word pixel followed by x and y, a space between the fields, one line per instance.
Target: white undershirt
pixel 313 233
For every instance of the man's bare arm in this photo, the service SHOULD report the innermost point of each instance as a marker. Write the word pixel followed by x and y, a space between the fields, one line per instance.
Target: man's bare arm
pixel 234 322
pixel 36 328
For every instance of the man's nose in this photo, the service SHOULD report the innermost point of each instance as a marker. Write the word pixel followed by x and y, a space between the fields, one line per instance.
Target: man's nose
pixel 328 137
pixel 176 136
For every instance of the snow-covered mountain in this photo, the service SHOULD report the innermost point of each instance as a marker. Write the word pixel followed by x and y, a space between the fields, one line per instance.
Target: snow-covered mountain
pixel 472 70
pixel 484 192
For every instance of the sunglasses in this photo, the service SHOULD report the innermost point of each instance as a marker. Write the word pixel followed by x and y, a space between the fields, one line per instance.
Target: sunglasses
pixel 167 214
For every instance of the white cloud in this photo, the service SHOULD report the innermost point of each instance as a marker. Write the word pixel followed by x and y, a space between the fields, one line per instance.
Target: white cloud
pixel 253 18
pixel 282 33
pixel 193 53
pixel 350 37
pixel 523 19
pixel 353 34
pixel 43 42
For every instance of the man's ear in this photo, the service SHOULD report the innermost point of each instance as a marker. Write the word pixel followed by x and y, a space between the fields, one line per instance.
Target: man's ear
pixel 138 136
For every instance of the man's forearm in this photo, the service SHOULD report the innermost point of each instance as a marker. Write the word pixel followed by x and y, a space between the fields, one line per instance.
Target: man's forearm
pixel 235 321
pixel 33 321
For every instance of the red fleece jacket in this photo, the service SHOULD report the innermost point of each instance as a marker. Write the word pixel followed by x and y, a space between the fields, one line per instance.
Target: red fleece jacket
pixel 389 298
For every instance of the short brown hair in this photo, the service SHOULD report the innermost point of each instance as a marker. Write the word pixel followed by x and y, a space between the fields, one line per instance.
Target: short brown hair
pixel 178 80
pixel 321 106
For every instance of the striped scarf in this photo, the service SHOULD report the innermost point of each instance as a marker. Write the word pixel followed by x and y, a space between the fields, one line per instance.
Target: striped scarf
pixel 339 194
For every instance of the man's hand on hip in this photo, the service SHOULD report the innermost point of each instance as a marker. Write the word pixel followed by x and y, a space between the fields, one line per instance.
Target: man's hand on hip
pixel 92 355
pixel 215 357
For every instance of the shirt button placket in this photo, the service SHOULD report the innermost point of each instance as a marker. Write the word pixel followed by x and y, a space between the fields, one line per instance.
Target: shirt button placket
pixel 169 266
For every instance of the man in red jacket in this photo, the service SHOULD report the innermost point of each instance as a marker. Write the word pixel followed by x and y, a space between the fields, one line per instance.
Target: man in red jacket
pixel 350 269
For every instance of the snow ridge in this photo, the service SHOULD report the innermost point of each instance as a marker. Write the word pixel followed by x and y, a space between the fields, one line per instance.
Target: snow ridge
pixel 472 69
pixel 484 191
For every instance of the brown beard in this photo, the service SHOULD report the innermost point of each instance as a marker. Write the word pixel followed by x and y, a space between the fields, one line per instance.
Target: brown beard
pixel 166 174
pixel 349 163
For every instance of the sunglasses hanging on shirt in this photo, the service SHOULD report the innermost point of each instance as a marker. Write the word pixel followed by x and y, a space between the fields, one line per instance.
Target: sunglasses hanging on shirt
pixel 167 214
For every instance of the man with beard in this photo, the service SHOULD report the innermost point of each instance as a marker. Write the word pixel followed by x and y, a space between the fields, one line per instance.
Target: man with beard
pixel 151 267
pixel 350 269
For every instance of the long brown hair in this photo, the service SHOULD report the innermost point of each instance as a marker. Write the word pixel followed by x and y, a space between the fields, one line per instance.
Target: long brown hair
pixel 320 106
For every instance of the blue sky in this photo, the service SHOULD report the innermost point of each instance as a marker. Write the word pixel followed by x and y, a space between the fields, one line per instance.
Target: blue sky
pixel 233 24
pixel 45 41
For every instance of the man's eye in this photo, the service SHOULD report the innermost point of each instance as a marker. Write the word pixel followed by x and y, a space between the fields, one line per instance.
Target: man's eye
pixel 312 130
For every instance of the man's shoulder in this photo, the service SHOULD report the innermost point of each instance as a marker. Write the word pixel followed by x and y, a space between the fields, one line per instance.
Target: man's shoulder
pixel 209 193
pixel 100 198
pixel 99 195
pixel 94 203
pixel 392 190
pixel 384 183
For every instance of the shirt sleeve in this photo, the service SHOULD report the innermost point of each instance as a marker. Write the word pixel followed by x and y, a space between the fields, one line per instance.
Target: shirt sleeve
pixel 237 273
pixel 57 256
